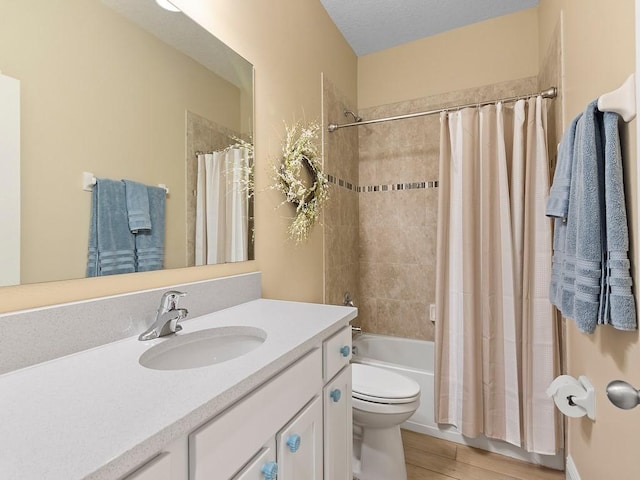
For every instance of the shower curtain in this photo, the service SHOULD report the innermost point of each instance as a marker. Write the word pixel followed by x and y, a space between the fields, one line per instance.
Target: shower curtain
pixel 222 207
pixel 496 336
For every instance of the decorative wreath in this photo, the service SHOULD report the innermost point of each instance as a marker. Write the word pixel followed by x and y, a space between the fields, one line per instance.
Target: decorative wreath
pixel 300 178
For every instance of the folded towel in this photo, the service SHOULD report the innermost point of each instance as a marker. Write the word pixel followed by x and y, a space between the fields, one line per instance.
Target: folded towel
pixel 150 244
pixel 558 203
pixel 111 244
pixel 619 308
pixel 137 206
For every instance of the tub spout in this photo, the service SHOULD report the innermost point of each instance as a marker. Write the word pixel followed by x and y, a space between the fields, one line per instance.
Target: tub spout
pixel 348 301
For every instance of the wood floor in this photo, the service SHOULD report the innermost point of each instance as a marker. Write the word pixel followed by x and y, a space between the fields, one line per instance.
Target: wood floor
pixel 434 459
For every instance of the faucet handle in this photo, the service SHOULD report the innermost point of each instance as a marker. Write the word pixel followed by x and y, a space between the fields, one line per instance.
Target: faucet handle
pixel 169 300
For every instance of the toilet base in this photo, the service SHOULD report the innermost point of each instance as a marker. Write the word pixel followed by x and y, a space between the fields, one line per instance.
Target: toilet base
pixel 379 455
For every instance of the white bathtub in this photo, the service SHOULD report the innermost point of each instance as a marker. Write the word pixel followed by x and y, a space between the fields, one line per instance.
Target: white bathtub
pixel 415 359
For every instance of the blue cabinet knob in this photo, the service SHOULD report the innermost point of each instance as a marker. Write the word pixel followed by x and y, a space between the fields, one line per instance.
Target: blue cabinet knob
pixel 293 442
pixel 345 351
pixel 270 471
pixel 335 395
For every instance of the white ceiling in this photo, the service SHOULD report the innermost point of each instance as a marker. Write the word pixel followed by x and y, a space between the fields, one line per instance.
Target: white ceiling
pixel 372 25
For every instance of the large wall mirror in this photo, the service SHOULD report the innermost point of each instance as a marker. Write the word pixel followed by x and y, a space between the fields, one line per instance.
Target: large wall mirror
pixel 125 90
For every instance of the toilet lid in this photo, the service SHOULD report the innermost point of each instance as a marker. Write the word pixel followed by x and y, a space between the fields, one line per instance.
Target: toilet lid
pixel 379 385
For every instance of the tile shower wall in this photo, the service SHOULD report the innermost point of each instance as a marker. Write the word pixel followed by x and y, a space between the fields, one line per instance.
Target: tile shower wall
pixel 340 149
pixel 397 227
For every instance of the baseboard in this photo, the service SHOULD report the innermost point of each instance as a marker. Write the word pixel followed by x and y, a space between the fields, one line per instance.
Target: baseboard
pixel 571 470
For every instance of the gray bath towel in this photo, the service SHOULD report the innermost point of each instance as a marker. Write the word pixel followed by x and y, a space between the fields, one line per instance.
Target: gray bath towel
pixel 137 206
pixel 111 244
pixel 150 244
pixel 619 308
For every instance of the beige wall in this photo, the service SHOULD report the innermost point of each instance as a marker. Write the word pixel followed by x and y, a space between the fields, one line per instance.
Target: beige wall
pixel 504 48
pixel 108 98
pixel 598 55
pixel 288 64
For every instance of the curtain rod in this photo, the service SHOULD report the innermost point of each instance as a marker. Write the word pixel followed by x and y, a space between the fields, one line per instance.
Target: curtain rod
pixel 548 93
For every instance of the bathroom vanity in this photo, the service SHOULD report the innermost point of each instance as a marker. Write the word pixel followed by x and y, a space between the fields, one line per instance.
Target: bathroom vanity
pixel 284 405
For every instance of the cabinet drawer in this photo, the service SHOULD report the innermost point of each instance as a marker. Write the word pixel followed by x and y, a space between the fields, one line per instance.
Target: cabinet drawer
pixel 336 352
pixel 266 457
pixel 159 468
pixel 221 447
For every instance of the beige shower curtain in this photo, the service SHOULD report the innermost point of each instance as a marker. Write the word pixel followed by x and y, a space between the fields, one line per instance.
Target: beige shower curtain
pixel 496 338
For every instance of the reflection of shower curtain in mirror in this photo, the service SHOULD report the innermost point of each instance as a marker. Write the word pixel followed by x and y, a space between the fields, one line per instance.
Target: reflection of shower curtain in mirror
pixel 221 207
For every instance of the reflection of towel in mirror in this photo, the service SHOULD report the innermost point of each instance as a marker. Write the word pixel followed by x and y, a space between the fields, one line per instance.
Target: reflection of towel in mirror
pixel 137 206
pixel 111 245
pixel 150 244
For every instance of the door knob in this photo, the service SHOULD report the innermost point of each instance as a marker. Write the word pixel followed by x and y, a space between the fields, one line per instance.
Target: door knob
pixel 623 395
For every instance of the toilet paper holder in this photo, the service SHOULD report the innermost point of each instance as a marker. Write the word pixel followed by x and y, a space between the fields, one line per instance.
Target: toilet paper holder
pixel 586 401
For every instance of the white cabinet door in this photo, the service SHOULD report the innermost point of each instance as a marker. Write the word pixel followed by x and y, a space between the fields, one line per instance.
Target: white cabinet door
pixel 338 430
pixel 300 445
pixel 336 353
pixel 262 466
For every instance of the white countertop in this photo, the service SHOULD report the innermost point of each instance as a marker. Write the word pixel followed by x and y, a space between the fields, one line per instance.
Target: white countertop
pixel 98 413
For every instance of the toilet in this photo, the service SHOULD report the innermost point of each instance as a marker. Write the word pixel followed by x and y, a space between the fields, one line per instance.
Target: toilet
pixel 382 400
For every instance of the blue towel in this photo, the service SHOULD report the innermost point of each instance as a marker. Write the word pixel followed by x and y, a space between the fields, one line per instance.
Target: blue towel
pixel 558 203
pixel 619 307
pixel 137 206
pixel 558 208
pixel 111 244
pixel 590 270
pixel 150 244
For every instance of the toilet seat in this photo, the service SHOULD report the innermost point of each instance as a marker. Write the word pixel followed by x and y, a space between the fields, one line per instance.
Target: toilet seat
pixel 390 401
pixel 377 385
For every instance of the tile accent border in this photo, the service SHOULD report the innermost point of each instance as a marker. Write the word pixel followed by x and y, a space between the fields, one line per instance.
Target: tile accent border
pixel 398 186
pixel 342 183
pixel 381 188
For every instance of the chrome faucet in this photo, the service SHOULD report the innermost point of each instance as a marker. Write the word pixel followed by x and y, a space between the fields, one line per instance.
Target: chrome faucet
pixel 167 317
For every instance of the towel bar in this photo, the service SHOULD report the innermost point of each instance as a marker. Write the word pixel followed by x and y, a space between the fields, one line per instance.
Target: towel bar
pixel 89 180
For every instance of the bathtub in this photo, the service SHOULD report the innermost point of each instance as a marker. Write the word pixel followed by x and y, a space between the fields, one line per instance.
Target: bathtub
pixel 415 359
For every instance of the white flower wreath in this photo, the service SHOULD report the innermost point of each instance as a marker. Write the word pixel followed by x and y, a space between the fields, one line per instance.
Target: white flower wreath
pixel 300 155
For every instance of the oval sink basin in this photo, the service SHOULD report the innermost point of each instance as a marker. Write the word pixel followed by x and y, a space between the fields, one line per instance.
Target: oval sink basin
pixel 203 348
